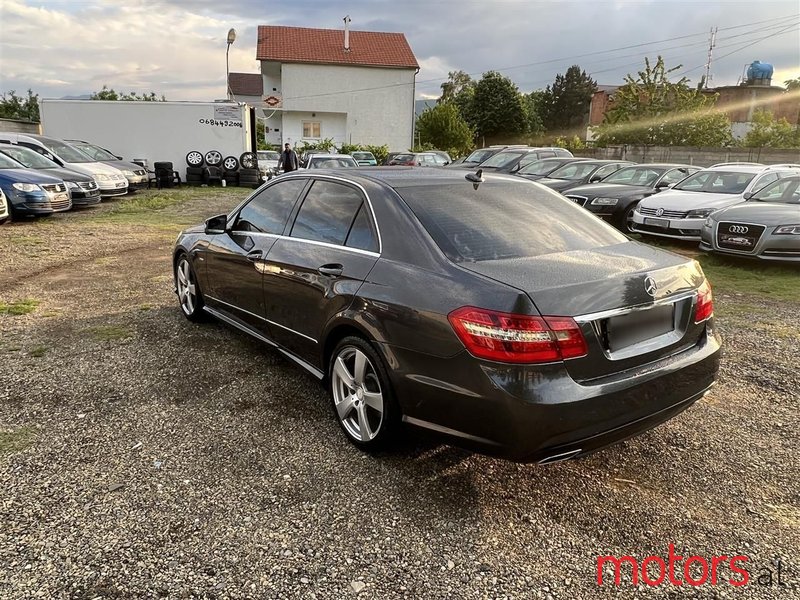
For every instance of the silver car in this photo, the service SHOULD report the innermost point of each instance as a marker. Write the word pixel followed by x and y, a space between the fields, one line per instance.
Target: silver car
pixel 766 226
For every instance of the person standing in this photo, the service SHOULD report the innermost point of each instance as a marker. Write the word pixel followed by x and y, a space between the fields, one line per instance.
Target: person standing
pixel 288 160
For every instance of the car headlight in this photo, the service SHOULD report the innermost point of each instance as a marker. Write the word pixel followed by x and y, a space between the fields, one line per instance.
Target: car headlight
pixel 128 173
pixel 605 201
pixel 708 223
pixel 102 177
pixel 699 213
pixel 787 230
pixel 72 185
pixel 26 187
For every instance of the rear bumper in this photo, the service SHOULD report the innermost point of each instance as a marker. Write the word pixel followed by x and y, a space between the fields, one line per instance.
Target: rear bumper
pixel 530 414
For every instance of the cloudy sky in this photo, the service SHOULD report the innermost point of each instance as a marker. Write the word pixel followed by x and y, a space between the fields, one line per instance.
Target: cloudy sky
pixel 177 47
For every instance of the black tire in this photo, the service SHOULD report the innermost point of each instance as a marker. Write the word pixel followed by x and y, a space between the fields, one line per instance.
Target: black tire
pixel 194 171
pixel 249 160
pixel 213 158
pixel 195 159
pixel 4 219
pixel 165 165
pixel 350 400
pixel 194 310
pixel 626 220
pixel 230 163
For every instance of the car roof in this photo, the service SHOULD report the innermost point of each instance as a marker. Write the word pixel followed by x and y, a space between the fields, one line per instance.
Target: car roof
pixel 325 155
pixel 750 168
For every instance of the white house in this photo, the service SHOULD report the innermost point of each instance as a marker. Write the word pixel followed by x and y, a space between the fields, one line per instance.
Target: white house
pixel 352 86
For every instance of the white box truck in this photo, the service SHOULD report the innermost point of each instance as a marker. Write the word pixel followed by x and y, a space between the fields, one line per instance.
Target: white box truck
pixel 152 131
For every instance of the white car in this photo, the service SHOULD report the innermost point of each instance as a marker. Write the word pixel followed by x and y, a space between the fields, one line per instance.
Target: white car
pixel 680 212
pixel 331 161
pixel 110 180
pixel 3 208
pixel 268 162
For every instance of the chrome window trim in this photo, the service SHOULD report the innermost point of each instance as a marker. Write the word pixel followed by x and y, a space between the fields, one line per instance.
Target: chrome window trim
pixel 616 312
pixel 303 335
pixel 278 236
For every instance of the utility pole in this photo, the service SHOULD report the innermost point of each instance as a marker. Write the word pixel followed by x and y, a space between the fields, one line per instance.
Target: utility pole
pixel 712 41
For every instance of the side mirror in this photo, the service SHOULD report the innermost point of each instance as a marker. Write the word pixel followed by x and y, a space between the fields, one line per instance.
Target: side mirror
pixel 216 225
pixel 119 158
pixel 748 195
pixel 662 185
pixel 515 168
pixel 595 178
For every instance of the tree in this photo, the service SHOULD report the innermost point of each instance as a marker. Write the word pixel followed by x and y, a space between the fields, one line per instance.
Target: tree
pixel 111 94
pixel 792 85
pixel 566 104
pixel 533 111
pixel 444 128
pixel 18 107
pixel 498 110
pixel 460 90
pixel 651 110
pixel 769 132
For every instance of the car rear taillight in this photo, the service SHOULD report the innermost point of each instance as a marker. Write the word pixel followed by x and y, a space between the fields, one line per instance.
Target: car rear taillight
pixel 704 309
pixel 507 337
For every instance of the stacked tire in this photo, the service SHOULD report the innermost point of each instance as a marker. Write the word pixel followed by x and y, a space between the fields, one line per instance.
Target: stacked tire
pixel 242 171
pixel 230 170
pixel 195 171
pixel 249 175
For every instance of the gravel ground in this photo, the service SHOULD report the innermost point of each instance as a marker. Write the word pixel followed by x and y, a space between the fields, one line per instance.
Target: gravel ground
pixel 148 457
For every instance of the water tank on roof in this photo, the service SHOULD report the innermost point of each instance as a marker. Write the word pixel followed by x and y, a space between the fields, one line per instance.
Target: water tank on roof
pixel 759 73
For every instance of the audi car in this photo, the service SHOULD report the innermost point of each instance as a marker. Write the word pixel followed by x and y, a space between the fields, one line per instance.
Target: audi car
pixel 680 212
pixel 581 172
pixel 484 308
pixel 765 226
pixel 512 159
pixel 541 168
pixel 83 190
pixel 617 196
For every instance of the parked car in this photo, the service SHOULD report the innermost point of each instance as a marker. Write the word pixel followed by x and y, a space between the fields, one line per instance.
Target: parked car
pixel 616 197
pixel 680 212
pixel 4 212
pixel 541 168
pixel 364 158
pixel 444 156
pixel 110 180
pixel 480 155
pixel 30 193
pixel 765 226
pixel 268 162
pixel 487 309
pixel 83 190
pixel 513 159
pixel 136 174
pixel 581 172
pixel 331 161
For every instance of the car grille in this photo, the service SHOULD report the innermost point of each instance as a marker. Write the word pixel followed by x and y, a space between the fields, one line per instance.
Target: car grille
pixel 738 236
pixel 667 214
pixel 62 203
pixel 54 188
pixel 581 200
pixel 88 185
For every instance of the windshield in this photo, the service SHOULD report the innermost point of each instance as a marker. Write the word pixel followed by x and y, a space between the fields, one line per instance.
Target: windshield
pixel 332 163
pixel 96 152
pixel 269 155
pixel 640 175
pixel 573 171
pixel 716 182
pixel 783 191
pixel 363 156
pixel 29 158
pixel 9 163
pixel 478 156
pixel 501 159
pixel 504 220
pixel 540 167
pixel 67 153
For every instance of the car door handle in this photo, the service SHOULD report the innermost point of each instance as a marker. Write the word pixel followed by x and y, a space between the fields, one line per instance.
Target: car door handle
pixel 255 255
pixel 332 270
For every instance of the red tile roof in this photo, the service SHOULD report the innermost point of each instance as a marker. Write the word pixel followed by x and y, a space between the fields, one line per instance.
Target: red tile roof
pixel 304 45
pixel 246 84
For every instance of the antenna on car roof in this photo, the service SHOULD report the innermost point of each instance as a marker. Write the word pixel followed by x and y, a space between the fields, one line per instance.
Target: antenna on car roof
pixel 476 178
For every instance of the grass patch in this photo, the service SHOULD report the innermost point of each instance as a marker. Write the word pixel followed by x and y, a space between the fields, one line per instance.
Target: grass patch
pixel 144 307
pixel 16 440
pixel 106 333
pixel 20 307
pixel 38 351
pixel 26 240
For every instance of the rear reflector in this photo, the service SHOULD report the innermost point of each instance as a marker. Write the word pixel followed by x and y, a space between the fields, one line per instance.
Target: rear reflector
pixel 512 338
pixel 704 309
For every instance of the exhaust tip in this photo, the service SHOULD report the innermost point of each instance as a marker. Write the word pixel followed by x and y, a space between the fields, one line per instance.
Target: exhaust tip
pixel 556 458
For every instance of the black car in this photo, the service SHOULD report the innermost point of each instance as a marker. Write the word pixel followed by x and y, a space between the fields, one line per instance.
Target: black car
pixel 541 168
pixel 581 172
pixel 487 309
pixel 83 190
pixel 513 159
pixel 478 156
pixel 616 197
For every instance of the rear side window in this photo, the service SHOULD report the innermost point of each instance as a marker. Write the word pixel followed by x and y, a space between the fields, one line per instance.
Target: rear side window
pixel 504 220
pixel 269 210
pixel 327 213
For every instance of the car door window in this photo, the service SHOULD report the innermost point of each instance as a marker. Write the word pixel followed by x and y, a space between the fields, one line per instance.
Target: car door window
pixel 763 181
pixel 674 176
pixel 361 235
pixel 268 211
pixel 604 171
pixel 327 213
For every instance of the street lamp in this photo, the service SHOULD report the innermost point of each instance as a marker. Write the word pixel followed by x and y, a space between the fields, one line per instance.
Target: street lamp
pixel 231 39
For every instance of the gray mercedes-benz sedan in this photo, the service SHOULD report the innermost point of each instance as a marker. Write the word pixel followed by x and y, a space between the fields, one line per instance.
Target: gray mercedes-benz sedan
pixel 485 308
pixel 765 226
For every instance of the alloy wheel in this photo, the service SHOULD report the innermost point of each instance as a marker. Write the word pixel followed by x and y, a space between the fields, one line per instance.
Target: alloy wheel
pixel 187 287
pixel 357 394
pixel 194 159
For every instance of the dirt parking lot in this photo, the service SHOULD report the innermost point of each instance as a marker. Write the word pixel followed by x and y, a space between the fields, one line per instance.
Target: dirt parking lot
pixel 142 456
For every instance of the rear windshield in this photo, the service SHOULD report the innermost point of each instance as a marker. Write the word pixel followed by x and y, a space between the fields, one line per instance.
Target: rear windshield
pixel 540 167
pixel 504 220
pixel 574 171
pixel 332 163
pixel 363 156
pixel 478 156
pixel 501 159
pixel 403 157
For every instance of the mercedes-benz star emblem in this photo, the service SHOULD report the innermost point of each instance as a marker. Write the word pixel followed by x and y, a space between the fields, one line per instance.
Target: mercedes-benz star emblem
pixel 650 286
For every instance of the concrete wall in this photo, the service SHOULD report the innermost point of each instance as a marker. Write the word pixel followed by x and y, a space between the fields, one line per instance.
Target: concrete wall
pixel 17 126
pixel 703 157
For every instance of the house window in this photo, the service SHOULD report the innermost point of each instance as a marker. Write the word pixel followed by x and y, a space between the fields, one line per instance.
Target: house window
pixel 311 129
